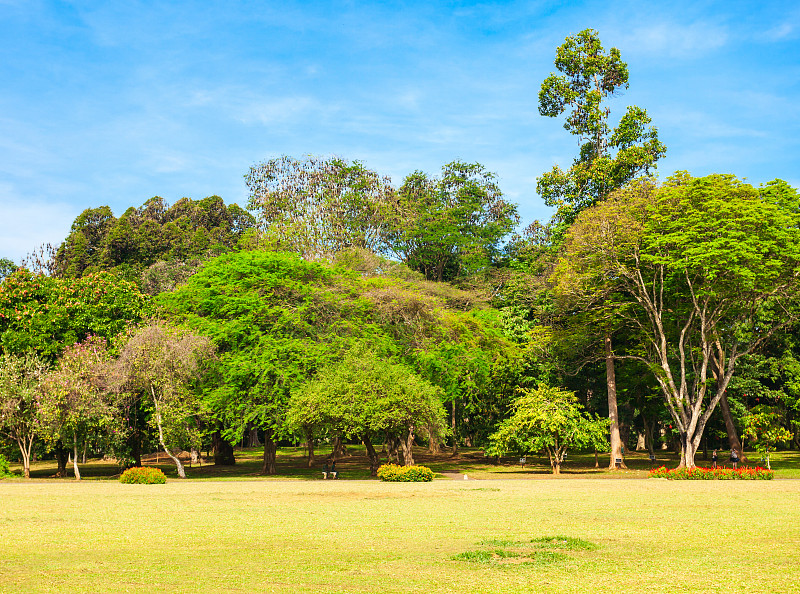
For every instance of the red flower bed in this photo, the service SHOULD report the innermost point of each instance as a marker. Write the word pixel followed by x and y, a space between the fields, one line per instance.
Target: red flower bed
pixel 710 474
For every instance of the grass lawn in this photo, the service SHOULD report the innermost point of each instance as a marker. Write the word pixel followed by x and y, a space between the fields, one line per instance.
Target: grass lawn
pixel 367 536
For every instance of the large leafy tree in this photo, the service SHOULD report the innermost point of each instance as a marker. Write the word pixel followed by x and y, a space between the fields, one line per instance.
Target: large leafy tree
pixel 452 225
pixel 74 395
pixel 45 314
pixel 317 206
pixel 608 157
pixel 704 269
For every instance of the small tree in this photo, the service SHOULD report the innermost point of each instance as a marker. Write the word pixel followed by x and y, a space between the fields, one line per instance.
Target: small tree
pixel 364 395
pixel 20 377
pixel 551 420
pixel 159 361
pixel 75 397
pixel 763 427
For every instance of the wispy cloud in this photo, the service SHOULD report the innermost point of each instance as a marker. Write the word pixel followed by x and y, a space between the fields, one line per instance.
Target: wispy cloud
pixel 676 40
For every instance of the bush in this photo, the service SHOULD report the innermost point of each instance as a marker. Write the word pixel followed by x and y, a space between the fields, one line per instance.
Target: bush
pixel 143 475
pixel 710 474
pixel 5 469
pixel 413 474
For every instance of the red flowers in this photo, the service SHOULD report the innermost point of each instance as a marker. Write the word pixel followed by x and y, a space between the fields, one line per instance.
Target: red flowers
pixel 709 474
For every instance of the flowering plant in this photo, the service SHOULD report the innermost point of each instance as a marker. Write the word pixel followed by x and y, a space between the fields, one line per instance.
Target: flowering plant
pixel 709 474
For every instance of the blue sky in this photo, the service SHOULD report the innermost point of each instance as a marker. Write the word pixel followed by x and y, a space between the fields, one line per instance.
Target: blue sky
pixel 115 102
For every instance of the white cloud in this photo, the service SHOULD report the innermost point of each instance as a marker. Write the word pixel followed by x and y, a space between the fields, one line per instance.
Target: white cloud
pixel 675 40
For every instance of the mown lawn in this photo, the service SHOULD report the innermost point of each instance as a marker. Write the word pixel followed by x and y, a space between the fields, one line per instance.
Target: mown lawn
pixel 367 536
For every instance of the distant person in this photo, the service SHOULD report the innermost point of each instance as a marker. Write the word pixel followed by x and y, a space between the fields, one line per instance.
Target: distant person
pixel 333 470
pixel 325 470
pixel 714 459
pixel 734 458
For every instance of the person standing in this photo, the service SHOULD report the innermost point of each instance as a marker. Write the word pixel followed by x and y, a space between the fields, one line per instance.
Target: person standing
pixel 734 458
pixel 714 459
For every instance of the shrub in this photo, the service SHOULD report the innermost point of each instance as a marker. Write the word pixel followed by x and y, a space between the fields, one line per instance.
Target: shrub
pixel 413 474
pixel 709 474
pixel 143 475
pixel 5 469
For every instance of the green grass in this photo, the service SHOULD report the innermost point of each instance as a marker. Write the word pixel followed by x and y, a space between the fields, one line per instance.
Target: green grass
pixel 299 536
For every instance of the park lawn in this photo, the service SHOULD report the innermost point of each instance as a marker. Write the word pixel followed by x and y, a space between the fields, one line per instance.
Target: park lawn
pixel 367 536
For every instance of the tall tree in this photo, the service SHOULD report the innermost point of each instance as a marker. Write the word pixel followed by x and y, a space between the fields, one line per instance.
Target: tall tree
pixel 319 205
pixel 705 269
pixel 608 158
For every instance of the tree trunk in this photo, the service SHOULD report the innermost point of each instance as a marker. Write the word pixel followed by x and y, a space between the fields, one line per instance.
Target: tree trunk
pixel 223 450
pixel 730 427
pixel 85 448
pixel 75 457
pixel 270 452
pixel 337 449
pixel 407 443
pixel 25 448
pixel 61 459
pixel 453 426
pixel 310 445
pixel 252 438
pixel 688 451
pixel 611 383
pixel 434 447
pixel 374 460
pixel 393 449
pixel 178 464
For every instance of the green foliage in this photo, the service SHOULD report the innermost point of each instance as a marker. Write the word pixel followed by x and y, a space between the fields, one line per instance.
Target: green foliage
pixel 449 226
pixel 548 419
pixel 5 469
pixel 319 205
pixel 7 268
pixel 393 473
pixel 45 314
pixel 709 474
pixel 763 426
pixel 277 320
pixel 143 475
pixel 364 395
pixel 589 76
pixel 188 231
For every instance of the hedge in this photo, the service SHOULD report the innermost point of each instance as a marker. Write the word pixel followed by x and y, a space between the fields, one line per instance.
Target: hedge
pixel 143 475
pixel 414 474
